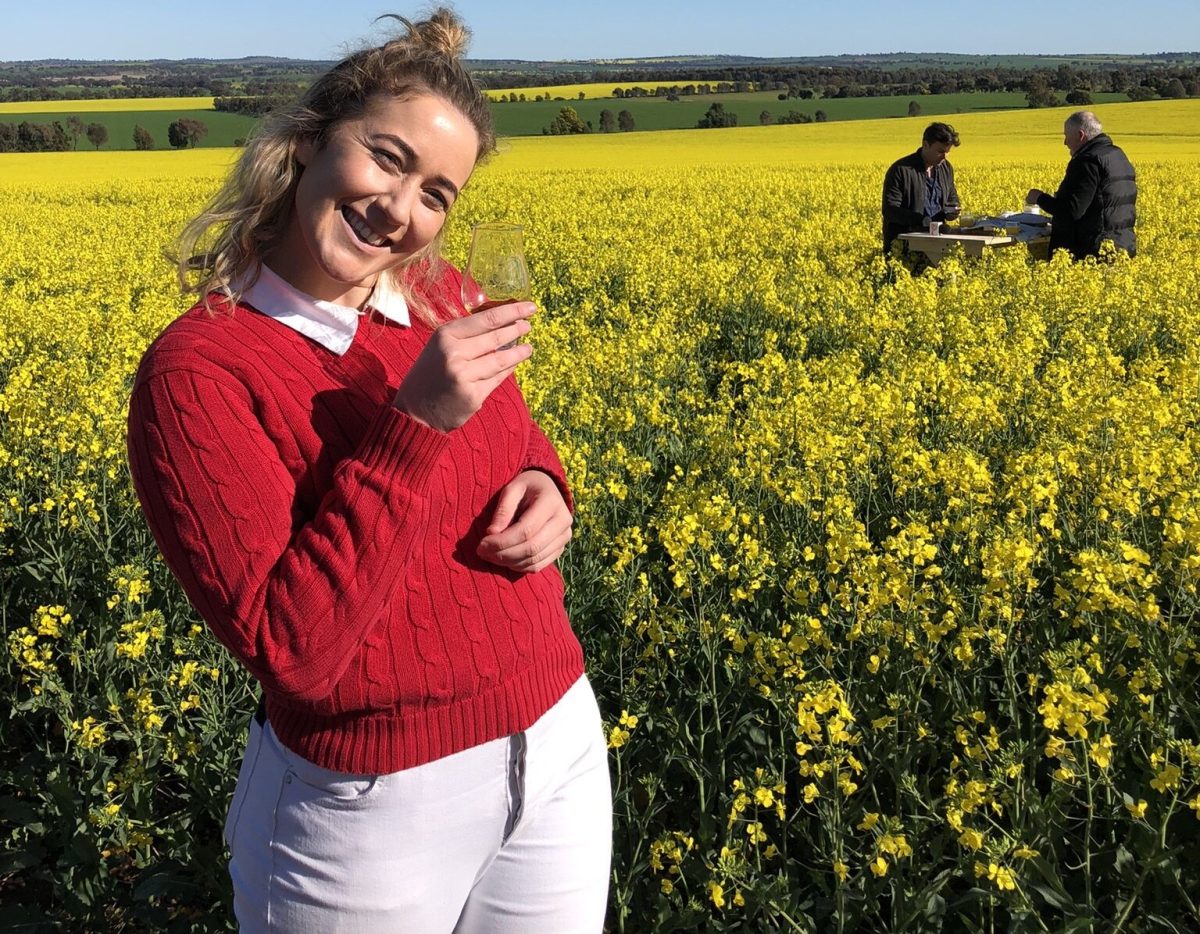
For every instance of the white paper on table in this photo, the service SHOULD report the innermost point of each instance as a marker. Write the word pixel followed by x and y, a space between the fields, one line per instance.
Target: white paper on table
pixel 1030 226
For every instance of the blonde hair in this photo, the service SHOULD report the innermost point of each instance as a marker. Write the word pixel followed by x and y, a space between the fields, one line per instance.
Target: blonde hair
pixel 221 249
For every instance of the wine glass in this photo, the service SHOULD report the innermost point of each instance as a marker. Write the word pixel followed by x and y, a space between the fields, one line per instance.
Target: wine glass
pixel 496 272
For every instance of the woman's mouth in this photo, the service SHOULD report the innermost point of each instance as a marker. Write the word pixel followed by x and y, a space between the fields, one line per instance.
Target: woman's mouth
pixel 362 229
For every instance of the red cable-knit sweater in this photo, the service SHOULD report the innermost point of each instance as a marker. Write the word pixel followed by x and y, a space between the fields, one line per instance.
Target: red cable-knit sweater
pixel 328 539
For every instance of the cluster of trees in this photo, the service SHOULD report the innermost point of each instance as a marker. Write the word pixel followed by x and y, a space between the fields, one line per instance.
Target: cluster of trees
pixel 186 132
pixel 718 117
pixel 249 106
pixel 34 137
pixel 568 121
pixel 766 118
pixel 686 90
pixel 1066 87
pixel 61 136
pixel 50 137
pixel 258 97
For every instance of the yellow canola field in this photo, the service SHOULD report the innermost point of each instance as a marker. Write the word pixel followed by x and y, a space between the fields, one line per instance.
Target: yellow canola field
pixel 885 581
pixel 1166 131
pixel 66 169
pixel 24 170
pixel 571 92
pixel 113 105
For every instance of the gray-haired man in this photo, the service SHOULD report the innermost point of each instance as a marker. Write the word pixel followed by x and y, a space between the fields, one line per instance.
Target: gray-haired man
pixel 1098 195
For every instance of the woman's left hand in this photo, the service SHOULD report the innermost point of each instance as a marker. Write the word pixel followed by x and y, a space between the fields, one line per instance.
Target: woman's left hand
pixel 530 526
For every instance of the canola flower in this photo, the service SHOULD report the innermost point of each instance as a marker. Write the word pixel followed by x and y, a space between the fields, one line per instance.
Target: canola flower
pixel 885 580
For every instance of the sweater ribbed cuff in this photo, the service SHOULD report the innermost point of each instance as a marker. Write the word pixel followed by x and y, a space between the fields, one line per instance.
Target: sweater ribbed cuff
pixel 400 446
pixel 560 481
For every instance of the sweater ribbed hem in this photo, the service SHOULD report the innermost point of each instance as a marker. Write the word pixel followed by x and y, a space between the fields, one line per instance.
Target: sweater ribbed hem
pixel 379 744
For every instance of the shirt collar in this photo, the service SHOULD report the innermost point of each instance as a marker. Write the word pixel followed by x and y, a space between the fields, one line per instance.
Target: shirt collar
pixel 331 325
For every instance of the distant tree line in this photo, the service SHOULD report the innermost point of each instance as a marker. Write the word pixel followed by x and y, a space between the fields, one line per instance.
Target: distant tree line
pixel 257 98
pixel 58 136
pixel 13 90
pixel 250 106
pixel 61 136
pixel 792 116
pixel 256 86
pixel 1068 87
pixel 807 82
pixel 34 81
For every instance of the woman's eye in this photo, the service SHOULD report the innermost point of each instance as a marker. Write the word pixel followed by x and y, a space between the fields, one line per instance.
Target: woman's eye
pixel 438 200
pixel 388 159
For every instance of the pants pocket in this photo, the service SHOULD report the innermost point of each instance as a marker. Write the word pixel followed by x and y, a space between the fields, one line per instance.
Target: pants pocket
pixel 313 786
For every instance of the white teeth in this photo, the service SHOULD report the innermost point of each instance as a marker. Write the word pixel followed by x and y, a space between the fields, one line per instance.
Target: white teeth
pixel 359 226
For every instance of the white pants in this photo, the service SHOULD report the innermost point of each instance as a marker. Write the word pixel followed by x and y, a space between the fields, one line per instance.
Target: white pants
pixel 511 836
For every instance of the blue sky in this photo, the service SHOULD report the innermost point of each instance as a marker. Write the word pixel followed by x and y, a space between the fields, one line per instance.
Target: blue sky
pixel 565 29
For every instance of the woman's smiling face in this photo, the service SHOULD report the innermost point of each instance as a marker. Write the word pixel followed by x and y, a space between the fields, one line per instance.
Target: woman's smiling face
pixel 375 193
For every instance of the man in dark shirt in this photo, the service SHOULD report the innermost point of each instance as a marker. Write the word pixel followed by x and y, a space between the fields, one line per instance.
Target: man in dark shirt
pixel 1097 199
pixel 919 189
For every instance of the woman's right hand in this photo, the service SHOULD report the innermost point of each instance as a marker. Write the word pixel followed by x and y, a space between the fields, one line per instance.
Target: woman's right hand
pixel 462 363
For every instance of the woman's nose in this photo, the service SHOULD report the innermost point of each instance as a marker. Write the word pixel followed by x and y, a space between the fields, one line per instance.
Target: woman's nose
pixel 396 206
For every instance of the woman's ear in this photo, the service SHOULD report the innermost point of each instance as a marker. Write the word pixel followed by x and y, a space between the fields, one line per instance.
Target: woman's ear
pixel 304 150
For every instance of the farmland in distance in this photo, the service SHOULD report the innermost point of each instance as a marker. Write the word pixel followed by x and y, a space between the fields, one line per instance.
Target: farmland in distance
pixel 527 118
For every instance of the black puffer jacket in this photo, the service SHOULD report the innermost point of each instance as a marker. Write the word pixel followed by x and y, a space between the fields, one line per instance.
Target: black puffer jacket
pixel 1096 201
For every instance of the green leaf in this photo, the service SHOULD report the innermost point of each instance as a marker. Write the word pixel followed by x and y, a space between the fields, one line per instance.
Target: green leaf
pixel 1050 897
pixel 17 811
pixel 1164 923
pixel 16 860
pixel 171 881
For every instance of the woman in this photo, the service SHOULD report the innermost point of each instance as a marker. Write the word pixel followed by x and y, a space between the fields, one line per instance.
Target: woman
pixel 338 466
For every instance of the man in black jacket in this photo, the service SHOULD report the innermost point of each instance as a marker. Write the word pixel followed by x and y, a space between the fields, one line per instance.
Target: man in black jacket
pixel 1097 199
pixel 919 189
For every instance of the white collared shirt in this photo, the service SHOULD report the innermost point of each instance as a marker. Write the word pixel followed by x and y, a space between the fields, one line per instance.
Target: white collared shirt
pixel 331 325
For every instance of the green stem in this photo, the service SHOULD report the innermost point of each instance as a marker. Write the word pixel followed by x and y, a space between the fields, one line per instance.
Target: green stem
pixel 795 925
pixel 1087 838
